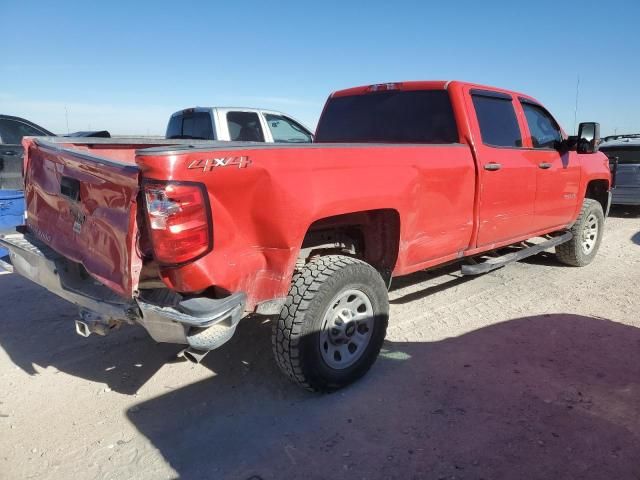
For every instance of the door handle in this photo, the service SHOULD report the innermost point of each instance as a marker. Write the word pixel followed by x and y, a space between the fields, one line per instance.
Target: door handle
pixel 545 165
pixel 492 166
pixel 10 152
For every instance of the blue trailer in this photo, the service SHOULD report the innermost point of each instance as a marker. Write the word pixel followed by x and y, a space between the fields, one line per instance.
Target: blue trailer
pixel 11 212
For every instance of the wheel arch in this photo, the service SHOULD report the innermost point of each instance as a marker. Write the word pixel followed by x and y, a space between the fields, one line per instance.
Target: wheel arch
pixel 371 235
pixel 598 189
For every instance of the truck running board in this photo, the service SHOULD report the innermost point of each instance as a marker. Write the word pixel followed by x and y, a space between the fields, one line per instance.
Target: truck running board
pixel 497 262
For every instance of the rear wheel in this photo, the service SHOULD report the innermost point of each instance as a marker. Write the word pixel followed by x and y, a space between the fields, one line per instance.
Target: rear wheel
pixel 332 326
pixel 587 235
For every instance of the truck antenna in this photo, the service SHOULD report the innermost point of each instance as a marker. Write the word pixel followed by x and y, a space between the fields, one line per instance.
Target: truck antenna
pixel 66 118
pixel 575 112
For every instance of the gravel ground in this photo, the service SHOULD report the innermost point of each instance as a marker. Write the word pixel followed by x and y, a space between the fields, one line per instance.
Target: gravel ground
pixel 531 371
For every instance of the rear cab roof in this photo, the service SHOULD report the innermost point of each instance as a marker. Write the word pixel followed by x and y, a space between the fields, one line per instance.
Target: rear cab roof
pixel 426 85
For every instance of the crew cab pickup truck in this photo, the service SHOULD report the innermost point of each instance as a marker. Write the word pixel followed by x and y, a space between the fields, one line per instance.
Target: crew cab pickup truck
pixel 236 124
pixel 186 238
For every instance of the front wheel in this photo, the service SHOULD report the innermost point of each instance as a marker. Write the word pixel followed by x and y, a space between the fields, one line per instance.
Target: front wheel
pixel 333 323
pixel 587 235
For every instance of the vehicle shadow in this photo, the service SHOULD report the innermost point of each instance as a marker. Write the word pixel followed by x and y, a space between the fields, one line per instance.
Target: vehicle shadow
pixel 551 396
pixel 37 329
pixel 547 259
pixel 636 238
pixel 624 211
pixel 440 279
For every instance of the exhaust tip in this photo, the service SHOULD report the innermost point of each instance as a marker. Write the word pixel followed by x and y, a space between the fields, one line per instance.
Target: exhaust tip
pixel 193 355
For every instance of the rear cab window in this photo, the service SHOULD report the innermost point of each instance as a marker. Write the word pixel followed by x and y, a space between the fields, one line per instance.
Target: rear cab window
pixel 497 119
pixel 391 116
pixel 625 155
pixel 191 124
pixel 244 127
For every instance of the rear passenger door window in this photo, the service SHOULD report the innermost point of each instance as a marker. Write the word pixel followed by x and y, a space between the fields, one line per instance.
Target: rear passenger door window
pixel 497 120
pixel 545 132
pixel 245 127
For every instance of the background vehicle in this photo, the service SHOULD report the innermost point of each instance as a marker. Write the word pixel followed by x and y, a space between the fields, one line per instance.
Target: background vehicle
pixel 624 152
pixel 186 237
pixel 12 130
pixel 237 124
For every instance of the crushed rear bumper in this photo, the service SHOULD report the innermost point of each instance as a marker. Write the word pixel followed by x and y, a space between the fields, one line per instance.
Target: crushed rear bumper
pixel 102 309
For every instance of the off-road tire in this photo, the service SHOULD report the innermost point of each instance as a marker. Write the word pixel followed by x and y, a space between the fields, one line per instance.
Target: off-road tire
pixel 572 252
pixel 296 333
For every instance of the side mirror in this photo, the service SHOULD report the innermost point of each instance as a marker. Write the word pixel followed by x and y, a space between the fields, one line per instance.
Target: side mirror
pixel 566 144
pixel 588 137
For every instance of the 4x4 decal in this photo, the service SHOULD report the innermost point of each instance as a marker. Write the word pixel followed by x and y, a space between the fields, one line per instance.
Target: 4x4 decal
pixel 208 164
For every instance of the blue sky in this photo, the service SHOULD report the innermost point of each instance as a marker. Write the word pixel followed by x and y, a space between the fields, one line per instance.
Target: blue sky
pixel 126 66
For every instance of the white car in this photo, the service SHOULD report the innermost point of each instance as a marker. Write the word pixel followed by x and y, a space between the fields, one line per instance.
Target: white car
pixel 237 124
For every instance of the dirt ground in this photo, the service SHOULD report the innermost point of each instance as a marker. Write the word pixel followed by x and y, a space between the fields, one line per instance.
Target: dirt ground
pixel 531 371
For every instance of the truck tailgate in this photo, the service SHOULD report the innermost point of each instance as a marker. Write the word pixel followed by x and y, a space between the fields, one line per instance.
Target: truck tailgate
pixel 84 207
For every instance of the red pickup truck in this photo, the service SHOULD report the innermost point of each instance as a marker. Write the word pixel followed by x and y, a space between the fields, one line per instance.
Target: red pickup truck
pixel 186 238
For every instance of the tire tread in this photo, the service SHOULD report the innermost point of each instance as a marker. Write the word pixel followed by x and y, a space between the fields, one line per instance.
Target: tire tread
pixel 289 325
pixel 570 252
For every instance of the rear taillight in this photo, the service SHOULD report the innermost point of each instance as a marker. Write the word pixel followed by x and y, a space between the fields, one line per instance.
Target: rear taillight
pixel 178 220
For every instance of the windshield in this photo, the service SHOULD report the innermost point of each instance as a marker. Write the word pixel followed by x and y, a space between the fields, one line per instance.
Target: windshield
pixel 412 116
pixel 191 124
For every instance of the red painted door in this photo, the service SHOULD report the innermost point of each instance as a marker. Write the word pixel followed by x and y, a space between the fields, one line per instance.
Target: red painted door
pixel 507 175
